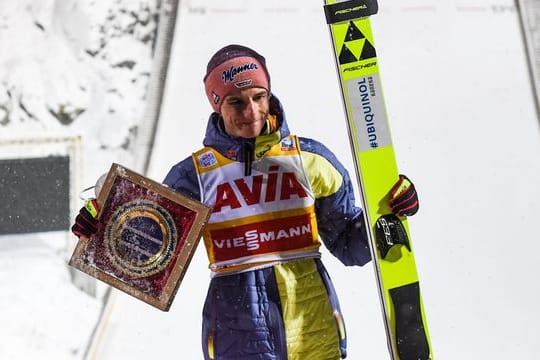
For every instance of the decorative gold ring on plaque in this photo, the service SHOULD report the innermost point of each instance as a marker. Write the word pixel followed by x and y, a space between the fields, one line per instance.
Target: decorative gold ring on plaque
pixel 140 238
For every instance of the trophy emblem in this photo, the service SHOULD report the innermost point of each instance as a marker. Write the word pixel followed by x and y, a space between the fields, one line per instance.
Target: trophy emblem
pixel 140 238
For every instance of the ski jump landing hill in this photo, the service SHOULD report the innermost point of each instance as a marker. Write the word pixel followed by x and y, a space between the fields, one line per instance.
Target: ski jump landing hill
pixel 465 130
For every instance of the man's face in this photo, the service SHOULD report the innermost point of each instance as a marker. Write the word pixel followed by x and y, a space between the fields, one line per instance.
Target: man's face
pixel 244 113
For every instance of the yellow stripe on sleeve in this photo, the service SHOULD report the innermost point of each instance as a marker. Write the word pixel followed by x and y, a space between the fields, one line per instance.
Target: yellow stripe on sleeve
pixel 324 179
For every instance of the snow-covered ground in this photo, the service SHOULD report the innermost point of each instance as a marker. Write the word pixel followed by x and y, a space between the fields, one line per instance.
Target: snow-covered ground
pixel 43 315
pixel 465 130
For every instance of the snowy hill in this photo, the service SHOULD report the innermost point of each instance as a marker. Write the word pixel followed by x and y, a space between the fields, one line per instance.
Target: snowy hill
pixel 76 67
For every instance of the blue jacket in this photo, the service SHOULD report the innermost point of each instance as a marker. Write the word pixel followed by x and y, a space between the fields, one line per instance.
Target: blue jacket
pixel 255 314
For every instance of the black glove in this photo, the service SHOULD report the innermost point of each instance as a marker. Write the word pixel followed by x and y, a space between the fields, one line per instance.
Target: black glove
pixel 403 197
pixel 86 222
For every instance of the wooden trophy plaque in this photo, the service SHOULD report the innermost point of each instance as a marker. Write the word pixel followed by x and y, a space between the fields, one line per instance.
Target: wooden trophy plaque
pixel 146 237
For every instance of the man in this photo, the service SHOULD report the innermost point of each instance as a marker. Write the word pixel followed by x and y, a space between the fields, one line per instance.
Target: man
pixel 273 196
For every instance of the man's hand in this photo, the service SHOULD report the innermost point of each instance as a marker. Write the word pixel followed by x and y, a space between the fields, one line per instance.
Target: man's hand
pixel 403 197
pixel 86 222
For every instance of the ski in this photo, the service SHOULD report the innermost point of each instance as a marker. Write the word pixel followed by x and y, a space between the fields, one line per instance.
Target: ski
pixel 376 170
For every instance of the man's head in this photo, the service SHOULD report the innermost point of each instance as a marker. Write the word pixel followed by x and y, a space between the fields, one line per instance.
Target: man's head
pixel 237 85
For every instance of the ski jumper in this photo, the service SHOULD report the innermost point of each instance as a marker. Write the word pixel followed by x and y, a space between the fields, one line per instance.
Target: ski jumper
pixel 274 198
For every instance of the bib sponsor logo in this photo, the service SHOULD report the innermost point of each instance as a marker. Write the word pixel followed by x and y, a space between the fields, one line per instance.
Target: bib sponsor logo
pixel 252 239
pixel 288 144
pixel 263 237
pixel 207 159
pixel 274 186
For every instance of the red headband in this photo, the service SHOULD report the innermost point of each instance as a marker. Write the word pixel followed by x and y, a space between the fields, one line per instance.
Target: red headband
pixel 233 75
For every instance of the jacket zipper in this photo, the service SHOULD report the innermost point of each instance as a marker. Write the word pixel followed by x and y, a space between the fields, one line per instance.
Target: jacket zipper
pixel 248 158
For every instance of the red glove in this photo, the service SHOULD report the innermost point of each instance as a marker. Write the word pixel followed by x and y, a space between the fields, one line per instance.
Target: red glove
pixel 403 197
pixel 86 222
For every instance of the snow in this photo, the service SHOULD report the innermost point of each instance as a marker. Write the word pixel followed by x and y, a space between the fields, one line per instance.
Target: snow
pixel 464 127
pixel 43 315
pixel 77 68
pixel 72 80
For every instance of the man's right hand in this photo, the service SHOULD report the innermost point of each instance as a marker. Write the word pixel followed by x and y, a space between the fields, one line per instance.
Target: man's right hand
pixel 86 222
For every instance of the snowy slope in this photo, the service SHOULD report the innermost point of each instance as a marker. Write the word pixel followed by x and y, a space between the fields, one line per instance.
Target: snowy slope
pixel 465 130
pixel 43 315
pixel 76 68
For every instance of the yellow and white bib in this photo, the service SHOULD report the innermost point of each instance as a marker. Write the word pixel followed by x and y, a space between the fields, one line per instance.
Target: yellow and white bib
pixel 261 219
